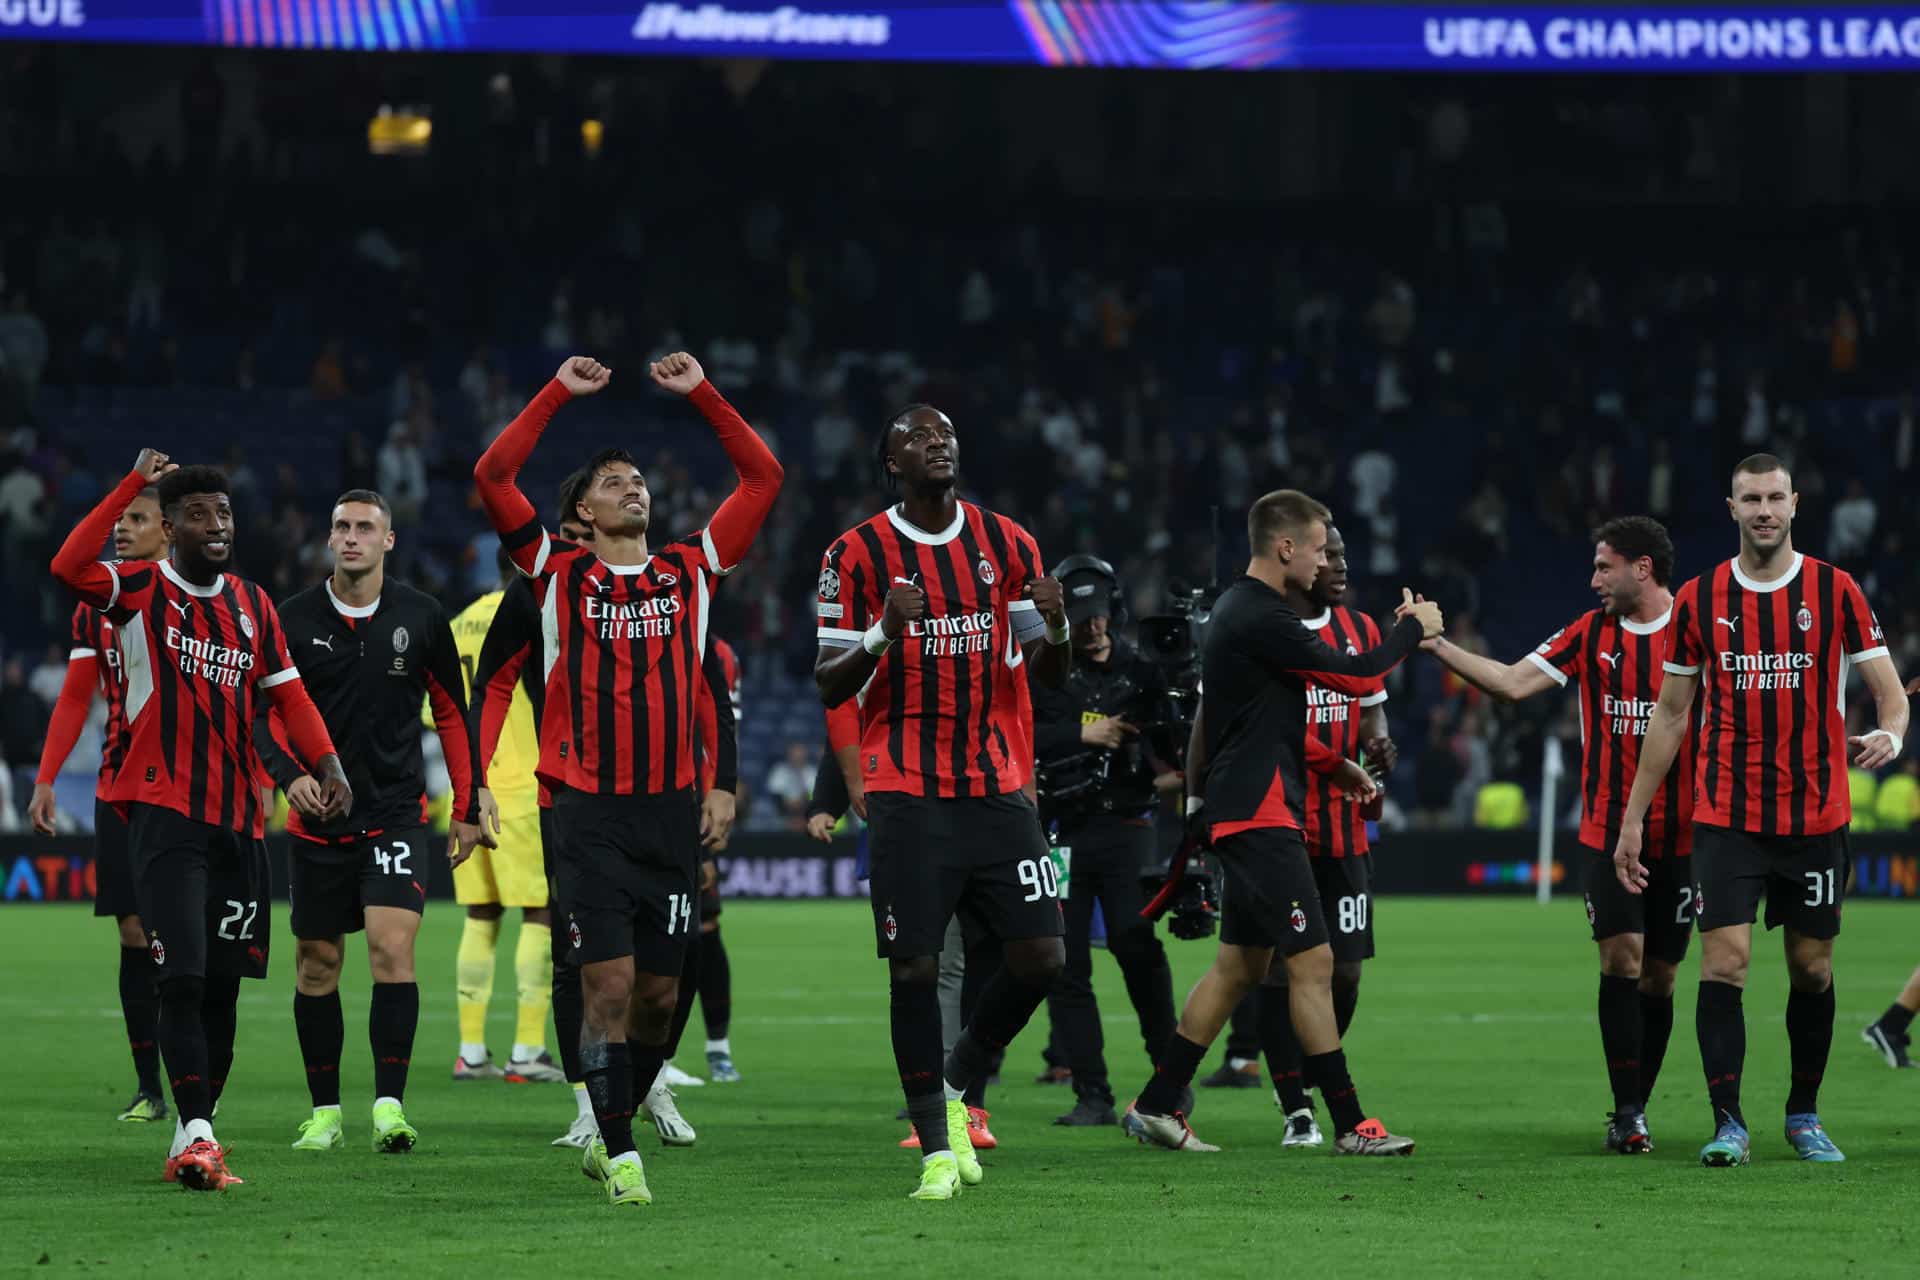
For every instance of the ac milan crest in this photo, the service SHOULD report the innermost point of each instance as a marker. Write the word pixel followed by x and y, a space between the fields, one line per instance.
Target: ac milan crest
pixel 159 950
pixel 1298 919
pixel 986 571
pixel 890 927
pixel 1591 913
pixel 246 625
pixel 573 933
pixel 1804 618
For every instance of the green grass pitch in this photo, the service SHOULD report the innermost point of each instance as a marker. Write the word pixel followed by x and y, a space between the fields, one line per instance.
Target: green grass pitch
pixel 1475 1034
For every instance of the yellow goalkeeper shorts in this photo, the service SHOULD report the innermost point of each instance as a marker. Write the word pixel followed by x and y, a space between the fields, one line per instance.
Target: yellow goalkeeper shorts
pixel 514 875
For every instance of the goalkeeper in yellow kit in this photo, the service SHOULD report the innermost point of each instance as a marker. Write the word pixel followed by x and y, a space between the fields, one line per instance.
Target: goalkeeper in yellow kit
pixel 513 875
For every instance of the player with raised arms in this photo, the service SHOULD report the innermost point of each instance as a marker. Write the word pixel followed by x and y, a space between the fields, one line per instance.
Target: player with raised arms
pixel 625 630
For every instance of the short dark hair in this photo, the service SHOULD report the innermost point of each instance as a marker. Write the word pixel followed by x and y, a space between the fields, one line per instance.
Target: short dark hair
pixel 198 478
pixel 1760 464
pixel 572 489
pixel 1636 536
pixel 606 458
pixel 886 438
pixel 367 496
pixel 1275 514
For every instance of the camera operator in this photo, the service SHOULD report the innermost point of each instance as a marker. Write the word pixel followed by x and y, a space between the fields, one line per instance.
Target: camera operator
pixel 1099 787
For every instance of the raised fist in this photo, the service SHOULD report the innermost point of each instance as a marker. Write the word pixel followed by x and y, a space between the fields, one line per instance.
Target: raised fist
pixel 679 373
pixel 583 375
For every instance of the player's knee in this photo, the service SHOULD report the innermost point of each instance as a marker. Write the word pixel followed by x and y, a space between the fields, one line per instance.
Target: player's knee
pixel 914 971
pixel 537 915
pixel 1312 967
pixel 1620 955
pixel 485 911
pixel 1037 962
pixel 390 959
pixel 317 967
pixel 1346 975
pixel 1657 979
pixel 1810 973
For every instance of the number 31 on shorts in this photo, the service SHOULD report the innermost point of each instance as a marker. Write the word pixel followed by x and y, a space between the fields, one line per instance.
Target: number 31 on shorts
pixel 1041 880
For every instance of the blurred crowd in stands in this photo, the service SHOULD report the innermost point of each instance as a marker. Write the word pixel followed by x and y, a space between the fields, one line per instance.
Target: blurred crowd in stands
pixel 1471 378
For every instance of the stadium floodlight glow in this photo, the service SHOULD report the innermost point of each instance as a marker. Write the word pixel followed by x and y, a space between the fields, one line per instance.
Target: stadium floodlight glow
pixel 1195 35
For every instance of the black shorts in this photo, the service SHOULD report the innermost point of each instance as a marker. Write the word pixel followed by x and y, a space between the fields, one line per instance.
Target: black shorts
pixel 1270 897
pixel 1663 911
pixel 112 864
pixel 1804 879
pixel 1346 900
pixel 628 869
pixel 332 885
pixel 204 894
pixel 984 857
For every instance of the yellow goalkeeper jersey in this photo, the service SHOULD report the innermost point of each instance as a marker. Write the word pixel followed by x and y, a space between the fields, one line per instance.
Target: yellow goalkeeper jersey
pixel 510 771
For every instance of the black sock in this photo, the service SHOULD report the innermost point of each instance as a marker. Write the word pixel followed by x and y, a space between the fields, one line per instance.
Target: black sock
pixel 716 985
pixel 220 1015
pixel 609 1076
pixel 1895 1020
pixel 183 1047
pixel 1346 998
pixel 1283 1050
pixel 569 1008
pixel 1620 1038
pixel 140 1006
pixel 1656 1028
pixel 1171 1076
pixel 322 1032
pixel 1005 1006
pixel 1809 1041
pixel 645 1061
pixel 1721 1026
pixel 392 1018
pixel 1327 1072
pixel 915 1015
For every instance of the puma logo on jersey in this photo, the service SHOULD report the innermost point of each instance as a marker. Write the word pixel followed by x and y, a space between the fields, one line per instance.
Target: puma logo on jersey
pixel 1611 659
pixel 1733 622
pixel 181 607
pixel 325 642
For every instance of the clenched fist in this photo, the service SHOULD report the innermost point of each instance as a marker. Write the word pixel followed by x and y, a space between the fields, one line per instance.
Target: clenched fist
pixel 583 375
pixel 1050 600
pixel 679 373
pixel 906 602
pixel 153 464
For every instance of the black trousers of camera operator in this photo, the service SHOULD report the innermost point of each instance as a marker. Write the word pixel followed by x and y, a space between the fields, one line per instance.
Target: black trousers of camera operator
pixel 1108 855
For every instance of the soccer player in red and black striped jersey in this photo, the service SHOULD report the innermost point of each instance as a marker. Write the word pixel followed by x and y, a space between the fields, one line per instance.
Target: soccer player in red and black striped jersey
pixel 1616 655
pixel 625 627
pixel 1767 640
pixel 1246 785
pixel 199 646
pixel 94 664
pixel 919 601
pixel 370 649
pixel 1347 722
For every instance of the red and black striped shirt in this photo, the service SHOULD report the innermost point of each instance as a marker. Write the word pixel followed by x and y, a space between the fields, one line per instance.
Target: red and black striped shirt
pixel 938 716
pixel 719 731
pixel 1619 665
pixel 1773 659
pixel 1333 825
pixel 196 659
pixel 623 644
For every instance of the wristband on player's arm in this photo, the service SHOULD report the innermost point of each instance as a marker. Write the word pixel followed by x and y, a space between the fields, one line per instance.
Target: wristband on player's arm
pixel 876 641
pixel 1898 744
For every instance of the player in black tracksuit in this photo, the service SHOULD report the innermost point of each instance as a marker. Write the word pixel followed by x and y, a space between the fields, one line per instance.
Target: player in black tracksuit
pixel 1246 778
pixel 370 650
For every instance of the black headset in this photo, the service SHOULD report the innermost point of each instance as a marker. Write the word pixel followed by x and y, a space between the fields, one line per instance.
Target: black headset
pixel 1116 594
